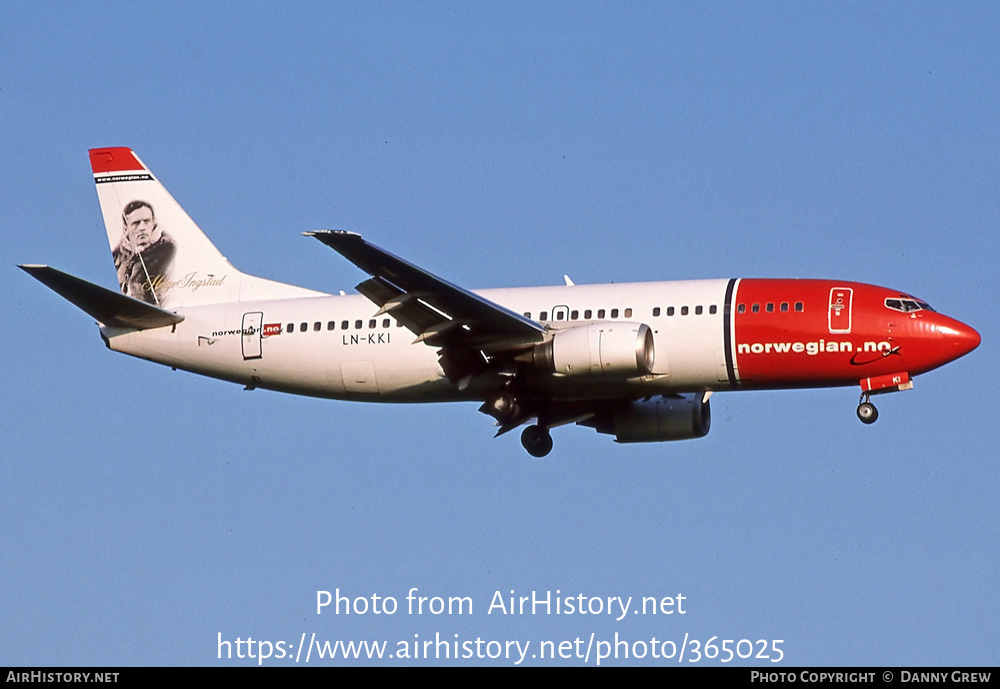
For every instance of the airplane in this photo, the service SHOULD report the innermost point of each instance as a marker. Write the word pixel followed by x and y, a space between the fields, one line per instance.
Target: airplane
pixel 638 361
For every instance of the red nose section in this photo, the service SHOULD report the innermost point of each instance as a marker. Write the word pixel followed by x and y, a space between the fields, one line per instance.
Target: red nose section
pixel 959 339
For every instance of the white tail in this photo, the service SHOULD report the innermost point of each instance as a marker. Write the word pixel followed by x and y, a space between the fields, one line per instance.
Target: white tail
pixel 161 256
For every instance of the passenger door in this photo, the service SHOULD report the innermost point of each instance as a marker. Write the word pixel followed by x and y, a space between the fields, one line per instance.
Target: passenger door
pixel 252 330
pixel 839 318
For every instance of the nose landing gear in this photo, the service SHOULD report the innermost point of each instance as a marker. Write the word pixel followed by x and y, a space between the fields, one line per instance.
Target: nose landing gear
pixel 866 410
pixel 878 385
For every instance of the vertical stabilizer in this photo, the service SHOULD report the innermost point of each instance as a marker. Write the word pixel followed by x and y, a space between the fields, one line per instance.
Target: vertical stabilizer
pixel 161 256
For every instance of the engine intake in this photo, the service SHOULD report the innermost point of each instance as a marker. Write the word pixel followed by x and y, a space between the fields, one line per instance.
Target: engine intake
pixel 673 417
pixel 607 349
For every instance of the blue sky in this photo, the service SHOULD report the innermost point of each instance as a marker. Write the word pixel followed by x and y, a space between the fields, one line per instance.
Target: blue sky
pixel 144 512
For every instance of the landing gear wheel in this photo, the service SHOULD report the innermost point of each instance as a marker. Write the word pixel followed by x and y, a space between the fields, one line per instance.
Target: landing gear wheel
pixel 867 413
pixel 537 441
pixel 502 406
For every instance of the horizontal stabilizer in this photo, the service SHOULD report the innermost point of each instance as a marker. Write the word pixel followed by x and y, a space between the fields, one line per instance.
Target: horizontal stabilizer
pixel 110 308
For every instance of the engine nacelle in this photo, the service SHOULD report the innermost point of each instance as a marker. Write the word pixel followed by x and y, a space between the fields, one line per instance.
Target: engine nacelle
pixel 606 349
pixel 677 417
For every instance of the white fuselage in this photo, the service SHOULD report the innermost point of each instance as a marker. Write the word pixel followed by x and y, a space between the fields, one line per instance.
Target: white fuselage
pixel 302 346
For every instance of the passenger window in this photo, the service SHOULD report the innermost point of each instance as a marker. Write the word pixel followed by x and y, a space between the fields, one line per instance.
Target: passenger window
pixel 385 322
pixel 614 313
pixel 713 309
pixel 357 325
pixel 526 314
pixel 317 326
pixel 628 312
pixel 799 306
pixel 656 311
pixel 344 325
pixel 742 308
pixel 670 310
pixel 332 325
pixel 698 310
pixel 588 314
pixel 784 306
pixel 372 323
pixel 291 328
pixel 684 310
pixel 304 327
pixel 559 316
pixel 543 316
pixel 770 307
pixel 574 315
pixel 755 308
pixel 600 313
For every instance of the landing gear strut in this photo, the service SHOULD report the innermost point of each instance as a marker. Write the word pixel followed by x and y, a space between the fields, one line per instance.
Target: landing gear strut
pixel 866 410
pixel 537 441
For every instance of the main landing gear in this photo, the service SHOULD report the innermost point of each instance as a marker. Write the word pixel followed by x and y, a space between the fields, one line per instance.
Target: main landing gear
pixel 537 441
pixel 510 412
pixel 866 410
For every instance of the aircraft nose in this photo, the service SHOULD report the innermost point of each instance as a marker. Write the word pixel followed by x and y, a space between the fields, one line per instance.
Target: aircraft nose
pixel 959 339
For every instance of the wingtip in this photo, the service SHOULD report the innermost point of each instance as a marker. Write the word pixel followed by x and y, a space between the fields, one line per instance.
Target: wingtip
pixel 319 234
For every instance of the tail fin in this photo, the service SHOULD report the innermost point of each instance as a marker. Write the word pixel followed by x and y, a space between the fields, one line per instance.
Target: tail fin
pixel 161 256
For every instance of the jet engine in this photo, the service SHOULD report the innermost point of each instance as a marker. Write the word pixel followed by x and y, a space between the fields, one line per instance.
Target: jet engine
pixel 607 349
pixel 671 417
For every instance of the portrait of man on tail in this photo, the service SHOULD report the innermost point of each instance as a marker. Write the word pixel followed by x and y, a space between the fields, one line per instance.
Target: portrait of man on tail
pixel 144 255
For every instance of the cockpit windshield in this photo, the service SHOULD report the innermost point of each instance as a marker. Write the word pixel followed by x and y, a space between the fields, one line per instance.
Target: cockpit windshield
pixel 907 305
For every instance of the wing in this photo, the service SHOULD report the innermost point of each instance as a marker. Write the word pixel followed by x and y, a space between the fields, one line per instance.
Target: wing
pixel 467 327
